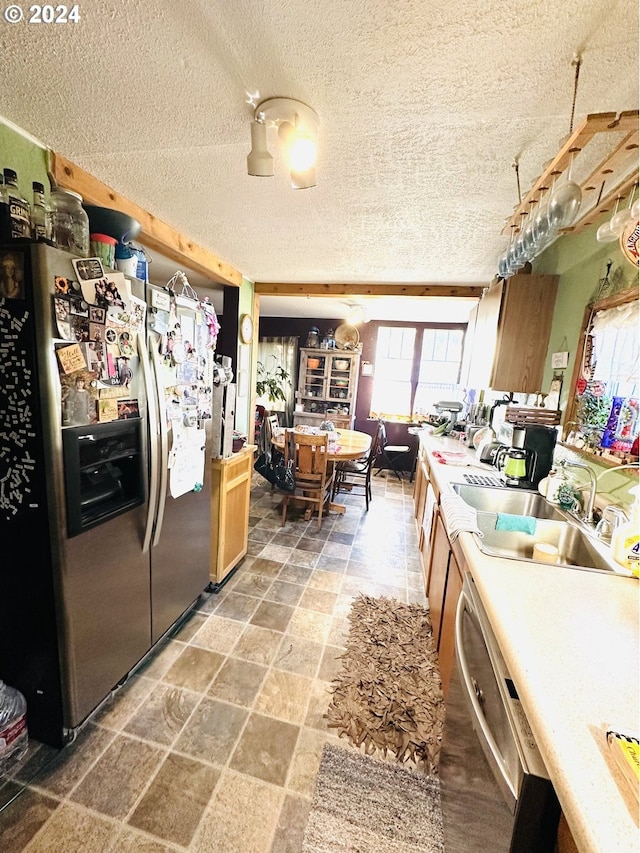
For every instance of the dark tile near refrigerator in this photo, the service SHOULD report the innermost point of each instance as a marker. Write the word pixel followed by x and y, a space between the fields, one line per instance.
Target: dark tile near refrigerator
pixel 24 818
pixel 72 828
pixel 195 668
pixel 189 627
pixel 131 841
pixel 238 607
pixel 238 681
pixel 213 731
pixel 176 799
pixel 62 774
pixel 266 567
pixel 251 584
pixel 163 715
pixel 330 563
pixel 308 544
pixel 120 775
pixel 288 540
pixel 260 534
pixel 284 592
pixel 258 645
pixel 342 538
pixel 318 599
pixel 295 574
pixel 270 614
pixel 265 749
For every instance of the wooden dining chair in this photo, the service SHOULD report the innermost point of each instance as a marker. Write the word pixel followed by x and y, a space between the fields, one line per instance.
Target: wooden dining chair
pixel 353 475
pixel 314 476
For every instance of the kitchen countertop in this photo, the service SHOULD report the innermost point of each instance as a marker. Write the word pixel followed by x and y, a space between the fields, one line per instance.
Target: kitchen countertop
pixel 570 640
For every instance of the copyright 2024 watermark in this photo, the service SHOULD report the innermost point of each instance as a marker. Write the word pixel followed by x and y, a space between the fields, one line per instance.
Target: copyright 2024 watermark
pixel 59 14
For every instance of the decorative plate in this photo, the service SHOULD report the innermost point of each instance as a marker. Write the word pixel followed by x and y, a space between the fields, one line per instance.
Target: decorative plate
pixel 347 337
pixel 629 243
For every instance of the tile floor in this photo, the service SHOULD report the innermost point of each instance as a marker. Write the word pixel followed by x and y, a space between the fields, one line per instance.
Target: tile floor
pixel 214 744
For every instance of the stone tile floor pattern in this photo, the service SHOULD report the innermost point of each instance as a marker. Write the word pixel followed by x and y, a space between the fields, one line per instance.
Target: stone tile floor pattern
pixel 214 743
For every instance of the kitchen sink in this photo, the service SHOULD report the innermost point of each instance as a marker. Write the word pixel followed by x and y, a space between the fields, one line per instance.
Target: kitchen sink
pixel 575 546
pixel 512 501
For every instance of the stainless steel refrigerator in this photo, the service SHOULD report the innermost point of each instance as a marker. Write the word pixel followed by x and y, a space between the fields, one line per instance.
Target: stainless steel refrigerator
pixel 105 415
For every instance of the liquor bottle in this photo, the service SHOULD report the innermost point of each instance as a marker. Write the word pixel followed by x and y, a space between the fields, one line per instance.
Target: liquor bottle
pixel 5 216
pixel 18 208
pixel 40 225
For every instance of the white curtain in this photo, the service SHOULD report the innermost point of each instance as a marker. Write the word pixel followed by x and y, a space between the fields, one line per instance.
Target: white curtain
pixel 617 345
pixel 283 352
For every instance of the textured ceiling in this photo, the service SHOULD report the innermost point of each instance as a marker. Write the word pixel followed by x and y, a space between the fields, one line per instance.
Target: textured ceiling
pixel 423 108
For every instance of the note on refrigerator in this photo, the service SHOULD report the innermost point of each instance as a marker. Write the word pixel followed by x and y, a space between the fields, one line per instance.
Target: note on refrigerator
pixel 186 462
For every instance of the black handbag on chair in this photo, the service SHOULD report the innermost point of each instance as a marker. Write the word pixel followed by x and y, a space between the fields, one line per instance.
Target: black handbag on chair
pixel 285 477
pixel 274 471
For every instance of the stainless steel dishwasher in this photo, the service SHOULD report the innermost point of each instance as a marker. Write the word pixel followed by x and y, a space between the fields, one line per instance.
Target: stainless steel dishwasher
pixel 496 793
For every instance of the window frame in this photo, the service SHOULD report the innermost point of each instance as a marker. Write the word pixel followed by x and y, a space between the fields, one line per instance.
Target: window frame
pixel 417 353
pixel 612 458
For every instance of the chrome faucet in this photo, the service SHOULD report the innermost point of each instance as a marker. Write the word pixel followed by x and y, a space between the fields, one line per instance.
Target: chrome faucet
pixel 587 517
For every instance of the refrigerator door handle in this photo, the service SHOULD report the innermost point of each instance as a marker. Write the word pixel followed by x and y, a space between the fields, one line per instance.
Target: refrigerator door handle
pixel 152 407
pixel 164 439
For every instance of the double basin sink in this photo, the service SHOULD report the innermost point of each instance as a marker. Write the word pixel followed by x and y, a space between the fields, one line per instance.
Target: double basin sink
pixel 575 546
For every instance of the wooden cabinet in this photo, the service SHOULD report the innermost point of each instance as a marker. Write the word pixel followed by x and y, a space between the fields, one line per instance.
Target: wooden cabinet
pixel 420 487
pixel 438 569
pixel 230 493
pixel 446 572
pixel 508 334
pixel 327 387
pixel 446 647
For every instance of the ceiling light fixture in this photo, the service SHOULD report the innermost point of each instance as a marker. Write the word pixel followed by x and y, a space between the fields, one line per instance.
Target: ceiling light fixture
pixel 297 126
pixel 356 314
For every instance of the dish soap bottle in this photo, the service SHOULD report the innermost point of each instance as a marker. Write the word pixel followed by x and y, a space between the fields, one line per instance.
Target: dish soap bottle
pixel 625 540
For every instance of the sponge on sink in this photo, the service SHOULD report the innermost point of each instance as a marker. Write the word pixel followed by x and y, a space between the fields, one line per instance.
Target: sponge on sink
pixel 519 523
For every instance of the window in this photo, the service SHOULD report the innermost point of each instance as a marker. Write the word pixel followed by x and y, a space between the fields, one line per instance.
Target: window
pixel 393 372
pixel 604 413
pixel 439 368
pixel 414 368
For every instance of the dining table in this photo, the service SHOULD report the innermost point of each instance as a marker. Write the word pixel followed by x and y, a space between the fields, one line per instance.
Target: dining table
pixel 344 444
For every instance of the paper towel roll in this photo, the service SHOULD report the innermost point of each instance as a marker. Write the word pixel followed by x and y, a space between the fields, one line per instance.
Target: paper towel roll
pixel 544 553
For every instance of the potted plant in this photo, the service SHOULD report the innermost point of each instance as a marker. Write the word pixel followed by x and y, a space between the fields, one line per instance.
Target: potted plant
pixel 272 381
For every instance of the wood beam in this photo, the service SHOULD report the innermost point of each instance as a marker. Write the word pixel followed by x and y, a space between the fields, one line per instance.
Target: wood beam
pixel 155 234
pixel 468 291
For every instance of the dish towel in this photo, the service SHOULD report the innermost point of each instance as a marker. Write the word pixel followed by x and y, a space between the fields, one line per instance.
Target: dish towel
pixel 519 523
pixel 459 516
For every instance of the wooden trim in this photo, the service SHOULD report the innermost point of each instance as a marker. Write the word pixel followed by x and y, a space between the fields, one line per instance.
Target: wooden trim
pixel 613 301
pixel 592 125
pixel 155 234
pixel 621 298
pixel 468 291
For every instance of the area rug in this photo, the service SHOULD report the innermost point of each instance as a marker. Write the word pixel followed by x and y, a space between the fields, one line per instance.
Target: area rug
pixel 388 695
pixel 365 805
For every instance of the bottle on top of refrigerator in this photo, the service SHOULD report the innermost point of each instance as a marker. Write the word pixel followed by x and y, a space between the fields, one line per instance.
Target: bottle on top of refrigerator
pixel 40 225
pixel 14 736
pixel 19 209
pixel 5 216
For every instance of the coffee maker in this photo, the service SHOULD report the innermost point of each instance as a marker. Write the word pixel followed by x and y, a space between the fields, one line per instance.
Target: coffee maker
pixel 533 441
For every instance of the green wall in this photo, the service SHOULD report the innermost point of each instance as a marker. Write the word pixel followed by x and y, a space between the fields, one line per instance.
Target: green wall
pixel 581 262
pixel 24 157
pixel 245 357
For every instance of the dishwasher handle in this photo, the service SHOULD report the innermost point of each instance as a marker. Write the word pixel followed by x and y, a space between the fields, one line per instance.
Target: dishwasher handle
pixel 487 740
